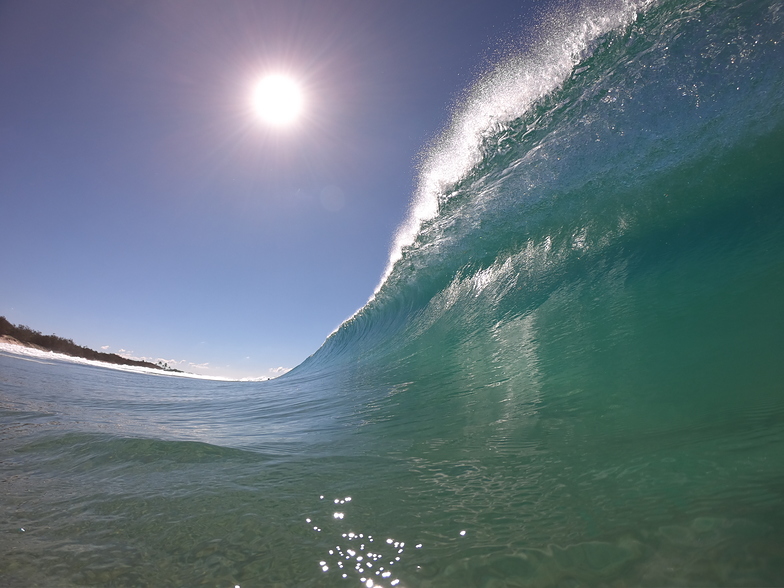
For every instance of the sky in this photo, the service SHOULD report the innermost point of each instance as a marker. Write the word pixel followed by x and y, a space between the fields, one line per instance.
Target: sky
pixel 147 210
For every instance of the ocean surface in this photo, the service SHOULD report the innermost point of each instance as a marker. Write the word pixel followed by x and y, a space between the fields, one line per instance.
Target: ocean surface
pixel 571 374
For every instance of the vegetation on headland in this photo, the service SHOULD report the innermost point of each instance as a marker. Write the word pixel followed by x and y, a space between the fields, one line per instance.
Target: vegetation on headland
pixel 32 338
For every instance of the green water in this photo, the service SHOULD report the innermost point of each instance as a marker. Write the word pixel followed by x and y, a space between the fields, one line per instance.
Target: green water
pixel 570 376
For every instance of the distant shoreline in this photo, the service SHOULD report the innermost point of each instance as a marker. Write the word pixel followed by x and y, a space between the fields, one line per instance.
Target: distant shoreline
pixel 27 337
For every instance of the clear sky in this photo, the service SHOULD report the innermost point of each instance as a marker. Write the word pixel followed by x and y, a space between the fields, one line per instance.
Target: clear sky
pixel 146 209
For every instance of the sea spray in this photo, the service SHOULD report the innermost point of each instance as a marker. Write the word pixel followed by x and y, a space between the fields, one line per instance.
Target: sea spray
pixel 501 96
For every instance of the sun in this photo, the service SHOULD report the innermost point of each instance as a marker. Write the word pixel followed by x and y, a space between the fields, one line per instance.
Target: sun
pixel 278 100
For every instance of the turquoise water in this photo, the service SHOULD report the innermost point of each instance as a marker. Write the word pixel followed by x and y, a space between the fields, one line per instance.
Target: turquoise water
pixel 571 374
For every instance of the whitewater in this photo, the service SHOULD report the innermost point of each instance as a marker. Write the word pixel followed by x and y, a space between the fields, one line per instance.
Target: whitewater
pixel 570 374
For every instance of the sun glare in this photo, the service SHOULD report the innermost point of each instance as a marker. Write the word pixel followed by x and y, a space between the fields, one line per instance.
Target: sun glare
pixel 278 100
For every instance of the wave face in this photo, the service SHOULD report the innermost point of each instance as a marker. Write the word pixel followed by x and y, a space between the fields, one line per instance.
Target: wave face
pixel 635 139
pixel 614 231
pixel 571 374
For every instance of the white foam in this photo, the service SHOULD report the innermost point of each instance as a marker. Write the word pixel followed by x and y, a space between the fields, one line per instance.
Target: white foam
pixel 33 354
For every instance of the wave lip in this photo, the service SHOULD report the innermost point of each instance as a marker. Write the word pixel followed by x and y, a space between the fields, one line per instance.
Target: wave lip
pixel 499 97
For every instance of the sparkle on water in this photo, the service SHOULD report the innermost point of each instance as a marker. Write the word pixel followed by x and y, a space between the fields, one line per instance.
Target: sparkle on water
pixel 359 556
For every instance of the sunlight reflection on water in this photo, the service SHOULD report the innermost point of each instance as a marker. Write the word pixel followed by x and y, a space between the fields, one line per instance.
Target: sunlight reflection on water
pixel 359 556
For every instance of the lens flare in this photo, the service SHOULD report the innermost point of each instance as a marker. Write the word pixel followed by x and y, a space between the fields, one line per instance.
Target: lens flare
pixel 278 100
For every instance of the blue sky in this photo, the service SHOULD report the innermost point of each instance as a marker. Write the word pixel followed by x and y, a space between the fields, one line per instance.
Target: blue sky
pixel 147 211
